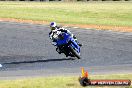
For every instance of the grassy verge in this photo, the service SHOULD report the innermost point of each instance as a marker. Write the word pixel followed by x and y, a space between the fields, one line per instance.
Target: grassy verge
pixel 58 82
pixel 113 14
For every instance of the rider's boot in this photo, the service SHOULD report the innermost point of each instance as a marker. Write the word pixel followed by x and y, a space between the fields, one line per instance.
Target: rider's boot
pixel 66 54
pixel 58 50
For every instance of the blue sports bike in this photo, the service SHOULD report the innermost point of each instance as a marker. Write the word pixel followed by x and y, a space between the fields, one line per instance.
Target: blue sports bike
pixel 66 44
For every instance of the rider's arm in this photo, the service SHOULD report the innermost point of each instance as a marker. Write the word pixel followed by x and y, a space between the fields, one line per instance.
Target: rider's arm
pixel 51 35
pixel 65 30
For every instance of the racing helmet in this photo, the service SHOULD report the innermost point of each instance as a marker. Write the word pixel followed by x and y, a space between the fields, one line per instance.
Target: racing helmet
pixel 53 25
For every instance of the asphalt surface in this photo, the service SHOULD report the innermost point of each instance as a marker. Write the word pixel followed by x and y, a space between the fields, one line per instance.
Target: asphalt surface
pixel 26 51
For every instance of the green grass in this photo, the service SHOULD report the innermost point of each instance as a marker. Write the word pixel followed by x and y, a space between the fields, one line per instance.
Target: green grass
pixel 58 82
pixel 112 13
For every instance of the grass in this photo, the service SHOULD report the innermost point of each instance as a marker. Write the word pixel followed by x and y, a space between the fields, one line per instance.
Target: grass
pixel 58 82
pixel 112 13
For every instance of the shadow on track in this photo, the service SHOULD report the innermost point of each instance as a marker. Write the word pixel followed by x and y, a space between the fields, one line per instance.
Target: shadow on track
pixel 36 61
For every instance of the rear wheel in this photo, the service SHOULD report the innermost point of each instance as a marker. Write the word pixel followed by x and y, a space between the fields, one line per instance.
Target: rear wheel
pixel 75 53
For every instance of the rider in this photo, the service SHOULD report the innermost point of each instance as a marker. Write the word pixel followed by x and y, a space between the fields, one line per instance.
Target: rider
pixel 53 28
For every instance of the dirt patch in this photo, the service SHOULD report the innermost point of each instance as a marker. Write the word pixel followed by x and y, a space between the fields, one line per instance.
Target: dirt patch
pixel 98 27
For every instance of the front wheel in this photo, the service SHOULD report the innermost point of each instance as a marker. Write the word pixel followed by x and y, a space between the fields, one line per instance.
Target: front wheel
pixel 74 52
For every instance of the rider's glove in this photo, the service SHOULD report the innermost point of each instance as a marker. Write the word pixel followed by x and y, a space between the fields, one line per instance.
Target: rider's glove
pixel 54 43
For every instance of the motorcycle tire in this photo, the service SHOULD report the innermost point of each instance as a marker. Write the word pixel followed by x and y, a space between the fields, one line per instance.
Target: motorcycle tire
pixel 74 52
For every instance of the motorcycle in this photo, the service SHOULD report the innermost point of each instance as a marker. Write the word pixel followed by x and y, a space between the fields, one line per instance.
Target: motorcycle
pixel 66 44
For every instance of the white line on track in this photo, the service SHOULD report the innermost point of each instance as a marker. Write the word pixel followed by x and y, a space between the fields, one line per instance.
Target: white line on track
pixel 88 28
pixel 75 27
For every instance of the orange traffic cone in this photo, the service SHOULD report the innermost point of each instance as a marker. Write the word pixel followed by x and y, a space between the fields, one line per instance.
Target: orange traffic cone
pixel 84 74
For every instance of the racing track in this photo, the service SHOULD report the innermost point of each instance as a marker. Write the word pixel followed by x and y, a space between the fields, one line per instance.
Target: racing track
pixel 26 51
